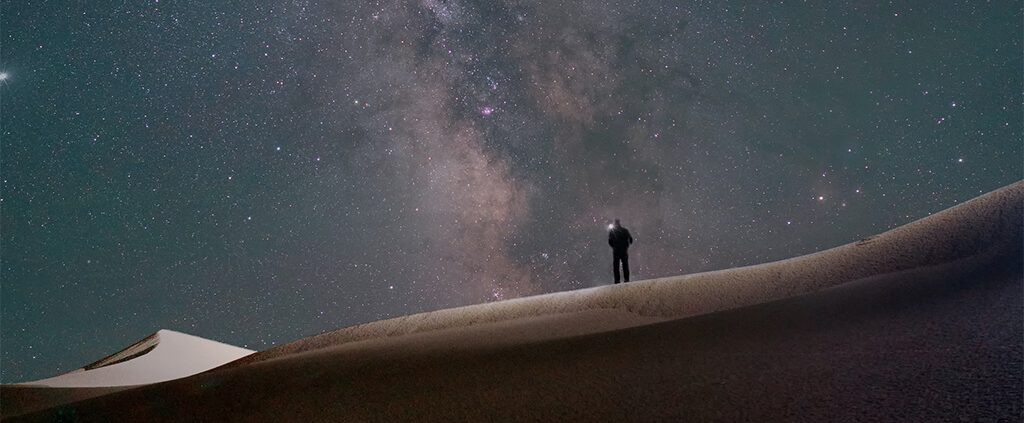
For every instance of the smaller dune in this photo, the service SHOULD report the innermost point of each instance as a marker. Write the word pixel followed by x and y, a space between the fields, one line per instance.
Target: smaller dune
pixel 164 355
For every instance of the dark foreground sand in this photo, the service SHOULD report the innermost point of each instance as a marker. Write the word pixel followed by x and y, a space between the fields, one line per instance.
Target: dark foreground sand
pixel 923 323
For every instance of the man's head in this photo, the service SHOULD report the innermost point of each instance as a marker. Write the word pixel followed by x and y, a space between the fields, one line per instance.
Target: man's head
pixel 617 223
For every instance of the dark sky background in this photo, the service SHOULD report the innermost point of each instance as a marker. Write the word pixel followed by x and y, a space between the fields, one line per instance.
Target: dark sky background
pixel 257 173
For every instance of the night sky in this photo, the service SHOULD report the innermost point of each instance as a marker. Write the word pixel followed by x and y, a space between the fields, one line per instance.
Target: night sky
pixel 258 173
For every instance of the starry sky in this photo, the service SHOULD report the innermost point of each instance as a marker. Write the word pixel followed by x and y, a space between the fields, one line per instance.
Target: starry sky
pixel 257 172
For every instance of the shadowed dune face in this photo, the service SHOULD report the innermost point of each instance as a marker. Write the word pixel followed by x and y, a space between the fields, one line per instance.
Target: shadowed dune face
pixel 922 323
pixel 136 350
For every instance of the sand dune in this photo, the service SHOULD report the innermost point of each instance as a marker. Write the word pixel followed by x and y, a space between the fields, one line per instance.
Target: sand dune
pixel 921 323
pixel 162 356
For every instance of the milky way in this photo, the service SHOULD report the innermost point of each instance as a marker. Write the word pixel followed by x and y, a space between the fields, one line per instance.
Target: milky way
pixel 256 173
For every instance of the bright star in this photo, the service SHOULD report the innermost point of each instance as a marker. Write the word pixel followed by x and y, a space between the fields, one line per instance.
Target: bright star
pixel 4 76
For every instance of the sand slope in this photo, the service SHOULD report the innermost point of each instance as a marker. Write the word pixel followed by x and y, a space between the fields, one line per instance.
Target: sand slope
pixel 922 323
pixel 982 227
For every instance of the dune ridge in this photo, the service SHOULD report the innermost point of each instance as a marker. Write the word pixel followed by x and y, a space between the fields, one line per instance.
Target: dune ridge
pixel 974 228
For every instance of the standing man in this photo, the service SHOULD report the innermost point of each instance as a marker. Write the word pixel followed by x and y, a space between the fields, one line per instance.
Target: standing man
pixel 619 239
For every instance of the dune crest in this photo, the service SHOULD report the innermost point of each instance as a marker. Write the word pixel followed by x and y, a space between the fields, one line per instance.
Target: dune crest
pixel 973 231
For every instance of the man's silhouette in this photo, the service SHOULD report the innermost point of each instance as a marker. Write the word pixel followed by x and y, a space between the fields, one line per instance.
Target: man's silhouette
pixel 619 239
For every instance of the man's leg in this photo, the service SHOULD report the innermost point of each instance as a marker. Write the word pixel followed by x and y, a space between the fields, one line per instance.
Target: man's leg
pixel 625 266
pixel 615 267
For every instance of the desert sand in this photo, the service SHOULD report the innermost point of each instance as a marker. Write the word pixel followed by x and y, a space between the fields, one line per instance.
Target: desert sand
pixel 921 323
